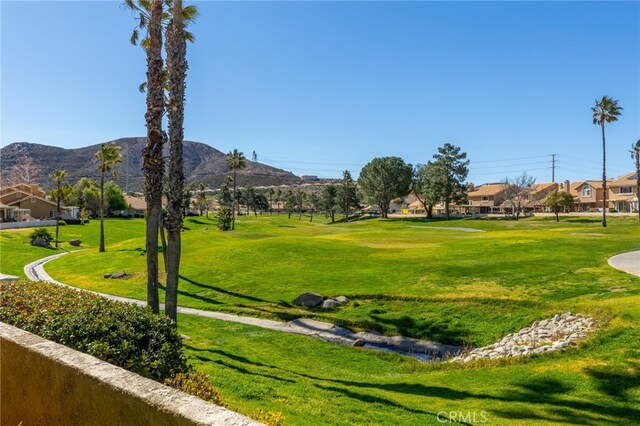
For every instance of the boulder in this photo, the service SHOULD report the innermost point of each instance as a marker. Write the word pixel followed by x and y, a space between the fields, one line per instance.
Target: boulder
pixel 308 299
pixel 358 342
pixel 107 275
pixel 75 243
pixel 342 300
pixel 119 274
pixel 39 242
pixel 330 304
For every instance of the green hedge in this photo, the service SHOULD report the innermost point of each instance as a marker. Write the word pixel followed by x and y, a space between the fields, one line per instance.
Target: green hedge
pixel 123 334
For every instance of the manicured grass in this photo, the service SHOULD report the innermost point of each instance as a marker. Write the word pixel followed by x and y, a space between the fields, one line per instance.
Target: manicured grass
pixel 402 278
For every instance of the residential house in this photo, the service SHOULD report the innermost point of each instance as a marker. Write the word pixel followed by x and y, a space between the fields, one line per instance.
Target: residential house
pixel 532 199
pixel 26 202
pixel 587 195
pixel 484 199
pixel 623 194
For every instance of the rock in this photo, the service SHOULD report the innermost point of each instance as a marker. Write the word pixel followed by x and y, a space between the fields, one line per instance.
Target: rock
pixel 185 337
pixel 358 342
pixel 75 243
pixel 120 274
pixel 39 242
pixel 342 300
pixel 308 299
pixel 330 304
pixel 107 275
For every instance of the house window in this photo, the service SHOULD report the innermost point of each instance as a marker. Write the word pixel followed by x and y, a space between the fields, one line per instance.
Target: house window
pixel 586 191
pixel 626 190
pixel 485 199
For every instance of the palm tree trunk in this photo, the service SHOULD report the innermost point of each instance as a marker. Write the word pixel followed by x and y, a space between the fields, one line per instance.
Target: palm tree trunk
pixel 58 213
pixel 153 165
pixel 163 240
pixel 235 202
pixel 177 64
pixel 101 248
pixel 604 180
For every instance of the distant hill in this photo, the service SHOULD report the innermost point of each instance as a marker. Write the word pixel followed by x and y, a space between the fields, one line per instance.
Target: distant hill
pixel 202 163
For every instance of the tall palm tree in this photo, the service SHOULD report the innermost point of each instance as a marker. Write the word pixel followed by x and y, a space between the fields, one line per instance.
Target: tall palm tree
pixel 154 19
pixel 108 156
pixel 635 154
pixel 58 177
pixel 606 110
pixel 236 161
pixel 177 71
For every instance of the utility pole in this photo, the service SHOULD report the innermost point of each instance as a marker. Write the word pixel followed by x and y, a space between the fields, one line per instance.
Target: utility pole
pixel 553 167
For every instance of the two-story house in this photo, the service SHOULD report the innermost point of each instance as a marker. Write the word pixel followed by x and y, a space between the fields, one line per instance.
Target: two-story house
pixel 623 193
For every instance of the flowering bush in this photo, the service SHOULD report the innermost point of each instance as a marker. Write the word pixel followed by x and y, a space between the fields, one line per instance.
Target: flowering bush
pixel 123 334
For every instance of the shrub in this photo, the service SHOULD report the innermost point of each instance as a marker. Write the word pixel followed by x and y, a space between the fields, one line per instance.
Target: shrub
pixel 224 219
pixel 123 334
pixel 42 233
pixel 195 383
pixel 269 418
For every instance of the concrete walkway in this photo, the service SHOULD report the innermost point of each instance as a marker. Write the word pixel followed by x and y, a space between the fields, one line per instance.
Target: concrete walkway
pixel 627 262
pixel 420 349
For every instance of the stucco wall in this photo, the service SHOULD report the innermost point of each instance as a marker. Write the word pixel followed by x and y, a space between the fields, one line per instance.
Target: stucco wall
pixel 29 224
pixel 45 383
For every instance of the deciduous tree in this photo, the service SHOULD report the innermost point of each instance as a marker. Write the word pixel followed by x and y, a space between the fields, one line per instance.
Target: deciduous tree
pixel 517 192
pixel 557 199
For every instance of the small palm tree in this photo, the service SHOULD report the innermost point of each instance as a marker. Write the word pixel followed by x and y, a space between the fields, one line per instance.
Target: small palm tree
pixel 635 154
pixel 606 110
pixel 58 177
pixel 236 161
pixel 108 156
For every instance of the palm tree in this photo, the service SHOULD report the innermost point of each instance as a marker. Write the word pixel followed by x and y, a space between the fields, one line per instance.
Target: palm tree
pixel 605 110
pixel 58 176
pixel 177 66
pixel 236 161
pixel 635 154
pixel 108 156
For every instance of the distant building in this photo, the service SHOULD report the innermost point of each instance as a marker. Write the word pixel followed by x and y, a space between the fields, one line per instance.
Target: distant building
pixel 23 202
pixel 309 178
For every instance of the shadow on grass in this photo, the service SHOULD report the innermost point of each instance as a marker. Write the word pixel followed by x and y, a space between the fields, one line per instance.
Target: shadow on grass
pixel 581 220
pixel 442 332
pixel 194 296
pixel 552 397
pixel 223 291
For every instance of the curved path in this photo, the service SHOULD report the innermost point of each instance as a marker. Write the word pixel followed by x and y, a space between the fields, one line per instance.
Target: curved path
pixel 627 262
pixel 327 332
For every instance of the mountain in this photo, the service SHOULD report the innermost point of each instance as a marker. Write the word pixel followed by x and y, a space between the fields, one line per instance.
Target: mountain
pixel 202 164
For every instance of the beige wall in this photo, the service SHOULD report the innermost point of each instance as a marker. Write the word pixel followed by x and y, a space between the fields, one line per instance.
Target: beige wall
pixel 44 383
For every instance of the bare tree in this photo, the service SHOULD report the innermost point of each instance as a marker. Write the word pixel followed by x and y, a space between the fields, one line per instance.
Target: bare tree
pixel 24 171
pixel 518 192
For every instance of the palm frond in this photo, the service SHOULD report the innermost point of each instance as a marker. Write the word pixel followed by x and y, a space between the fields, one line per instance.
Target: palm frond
pixel 134 37
pixel 143 87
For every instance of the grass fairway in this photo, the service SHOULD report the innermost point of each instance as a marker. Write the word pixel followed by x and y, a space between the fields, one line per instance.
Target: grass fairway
pixel 402 278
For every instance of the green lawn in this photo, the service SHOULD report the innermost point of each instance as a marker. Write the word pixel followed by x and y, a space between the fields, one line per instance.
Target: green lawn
pixel 402 278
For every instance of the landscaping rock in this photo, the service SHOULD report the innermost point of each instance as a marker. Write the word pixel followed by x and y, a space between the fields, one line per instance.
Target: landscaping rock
pixel 330 304
pixel 40 242
pixel 120 274
pixel 308 299
pixel 341 300
pixel 75 243
pixel 358 342
pixel 555 334
pixel 107 275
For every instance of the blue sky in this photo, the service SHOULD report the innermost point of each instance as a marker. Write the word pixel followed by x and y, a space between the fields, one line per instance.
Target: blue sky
pixel 319 87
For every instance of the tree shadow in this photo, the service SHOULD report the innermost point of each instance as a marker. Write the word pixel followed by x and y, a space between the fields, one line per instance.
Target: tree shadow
pixel 444 331
pixel 582 220
pixel 617 385
pixel 371 399
pixel 194 296
pixel 223 291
